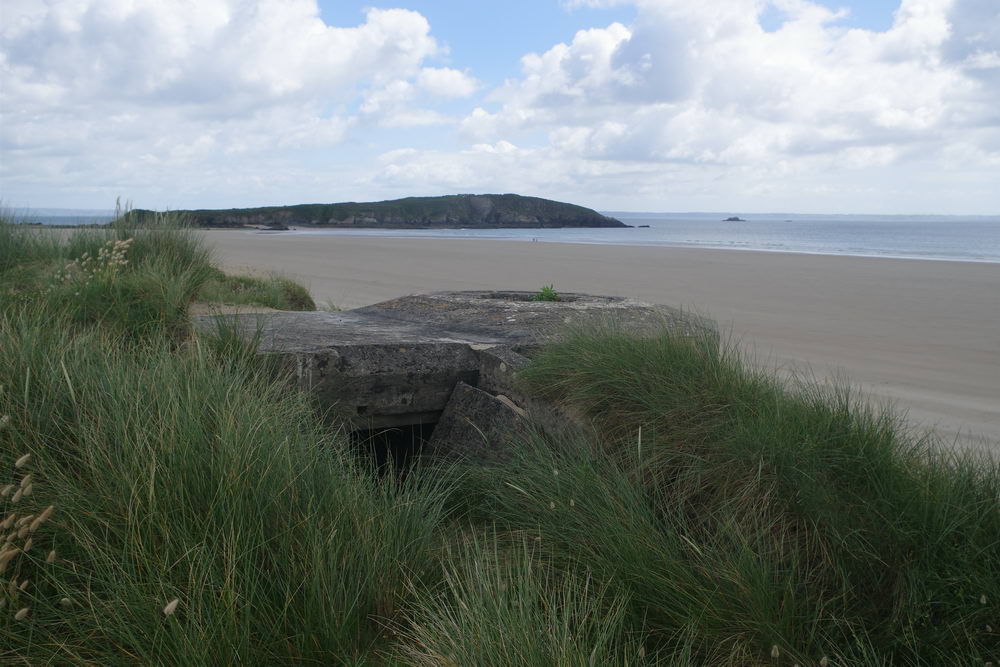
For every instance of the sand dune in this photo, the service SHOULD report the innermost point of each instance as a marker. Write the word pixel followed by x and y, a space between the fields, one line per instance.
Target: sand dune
pixel 925 334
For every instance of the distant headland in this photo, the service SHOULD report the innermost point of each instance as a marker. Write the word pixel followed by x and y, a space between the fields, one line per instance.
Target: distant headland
pixel 451 211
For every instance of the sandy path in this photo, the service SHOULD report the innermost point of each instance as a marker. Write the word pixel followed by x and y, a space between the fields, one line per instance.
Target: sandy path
pixel 923 333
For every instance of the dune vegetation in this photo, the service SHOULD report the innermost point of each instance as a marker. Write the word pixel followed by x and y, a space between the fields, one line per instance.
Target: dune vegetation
pixel 166 499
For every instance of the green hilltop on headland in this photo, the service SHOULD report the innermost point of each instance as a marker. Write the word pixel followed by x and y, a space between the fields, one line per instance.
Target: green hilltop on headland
pixel 451 211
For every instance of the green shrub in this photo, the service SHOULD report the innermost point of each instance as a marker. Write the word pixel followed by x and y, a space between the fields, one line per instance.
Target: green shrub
pixel 270 291
pixel 547 293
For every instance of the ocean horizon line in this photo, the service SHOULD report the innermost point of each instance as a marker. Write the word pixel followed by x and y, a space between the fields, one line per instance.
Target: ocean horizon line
pixel 69 212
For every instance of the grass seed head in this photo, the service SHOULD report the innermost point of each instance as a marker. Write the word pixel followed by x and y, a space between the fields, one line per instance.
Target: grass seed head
pixel 17 495
pixel 982 599
pixel 7 555
pixel 26 480
pixel 51 558
pixel 8 522
pixel 171 607
pixel 824 661
pixel 23 461
pixel 775 652
pixel 65 602
pixel 5 491
pixel 28 489
pixel 21 614
pixel 24 585
pixel 27 545
pixel 4 420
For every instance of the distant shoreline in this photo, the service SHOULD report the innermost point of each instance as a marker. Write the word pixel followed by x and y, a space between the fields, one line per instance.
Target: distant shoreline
pixel 633 236
pixel 624 237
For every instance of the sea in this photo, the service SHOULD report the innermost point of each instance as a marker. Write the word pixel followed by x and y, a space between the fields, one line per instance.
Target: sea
pixel 954 238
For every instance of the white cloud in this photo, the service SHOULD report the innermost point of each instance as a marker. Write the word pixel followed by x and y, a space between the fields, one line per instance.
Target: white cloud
pixel 142 91
pixel 234 54
pixel 447 83
pixel 704 84
pixel 691 105
pixel 397 104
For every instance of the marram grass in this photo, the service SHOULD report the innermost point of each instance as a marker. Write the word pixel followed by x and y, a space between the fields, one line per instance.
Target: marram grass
pixel 204 514
pixel 165 499
pixel 739 513
pixel 180 477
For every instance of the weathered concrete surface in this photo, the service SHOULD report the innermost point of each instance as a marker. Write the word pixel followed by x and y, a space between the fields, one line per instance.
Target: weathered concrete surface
pixel 498 368
pixel 513 319
pixel 387 384
pixel 397 362
pixel 476 425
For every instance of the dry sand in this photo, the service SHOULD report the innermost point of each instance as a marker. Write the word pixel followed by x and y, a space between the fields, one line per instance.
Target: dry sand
pixel 925 334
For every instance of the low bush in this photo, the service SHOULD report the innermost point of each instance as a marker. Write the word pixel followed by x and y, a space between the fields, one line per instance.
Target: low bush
pixel 269 291
pixel 547 293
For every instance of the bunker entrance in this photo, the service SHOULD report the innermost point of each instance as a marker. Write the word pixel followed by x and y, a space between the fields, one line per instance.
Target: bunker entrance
pixel 392 450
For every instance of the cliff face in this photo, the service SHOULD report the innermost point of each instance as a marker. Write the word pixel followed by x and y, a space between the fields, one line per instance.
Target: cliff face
pixel 483 211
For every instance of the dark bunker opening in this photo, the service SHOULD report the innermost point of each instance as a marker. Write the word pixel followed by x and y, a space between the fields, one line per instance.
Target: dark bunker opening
pixel 394 450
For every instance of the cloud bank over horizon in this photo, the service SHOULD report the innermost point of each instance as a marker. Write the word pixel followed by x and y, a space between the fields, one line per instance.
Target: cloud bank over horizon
pixel 220 103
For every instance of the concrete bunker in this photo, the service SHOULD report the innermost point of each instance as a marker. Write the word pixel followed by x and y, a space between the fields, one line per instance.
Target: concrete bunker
pixel 434 373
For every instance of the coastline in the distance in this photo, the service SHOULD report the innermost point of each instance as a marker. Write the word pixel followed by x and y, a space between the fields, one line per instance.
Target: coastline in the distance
pixel 489 211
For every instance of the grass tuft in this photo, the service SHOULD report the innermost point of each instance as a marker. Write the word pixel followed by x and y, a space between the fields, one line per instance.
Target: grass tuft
pixel 754 514
pixel 178 476
pixel 270 291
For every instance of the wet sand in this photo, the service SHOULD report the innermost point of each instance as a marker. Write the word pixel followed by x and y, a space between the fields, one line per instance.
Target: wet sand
pixel 925 334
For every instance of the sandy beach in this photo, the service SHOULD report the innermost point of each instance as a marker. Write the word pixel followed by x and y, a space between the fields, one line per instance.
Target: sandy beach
pixel 925 334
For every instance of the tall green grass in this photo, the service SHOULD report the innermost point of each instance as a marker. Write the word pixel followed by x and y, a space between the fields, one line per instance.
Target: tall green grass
pixel 743 518
pixel 185 475
pixel 501 603
pixel 135 279
pixel 179 469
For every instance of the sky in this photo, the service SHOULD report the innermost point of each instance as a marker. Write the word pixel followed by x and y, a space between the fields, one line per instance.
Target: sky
pixel 853 106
